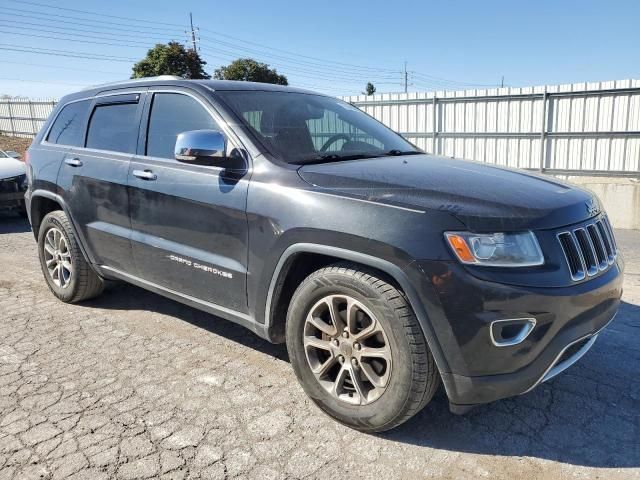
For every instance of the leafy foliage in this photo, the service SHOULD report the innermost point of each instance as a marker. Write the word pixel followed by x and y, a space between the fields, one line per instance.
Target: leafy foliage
pixel 171 59
pixel 370 89
pixel 249 70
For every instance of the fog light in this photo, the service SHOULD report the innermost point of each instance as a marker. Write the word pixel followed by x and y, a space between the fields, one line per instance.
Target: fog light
pixel 511 331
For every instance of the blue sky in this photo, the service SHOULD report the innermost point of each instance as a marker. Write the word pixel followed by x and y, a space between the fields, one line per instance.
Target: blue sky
pixel 332 46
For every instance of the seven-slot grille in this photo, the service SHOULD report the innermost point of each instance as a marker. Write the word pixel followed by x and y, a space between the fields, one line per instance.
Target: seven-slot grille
pixel 589 249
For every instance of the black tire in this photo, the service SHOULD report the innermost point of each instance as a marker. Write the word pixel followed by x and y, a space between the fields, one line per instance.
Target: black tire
pixel 414 377
pixel 84 283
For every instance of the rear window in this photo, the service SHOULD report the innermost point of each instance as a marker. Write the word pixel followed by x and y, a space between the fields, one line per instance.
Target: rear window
pixel 68 127
pixel 114 127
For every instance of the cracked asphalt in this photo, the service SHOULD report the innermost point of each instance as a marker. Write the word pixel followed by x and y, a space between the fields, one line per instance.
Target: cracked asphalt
pixel 132 385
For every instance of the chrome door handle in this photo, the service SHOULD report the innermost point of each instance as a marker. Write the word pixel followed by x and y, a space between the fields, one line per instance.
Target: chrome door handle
pixel 74 162
pixel 145 174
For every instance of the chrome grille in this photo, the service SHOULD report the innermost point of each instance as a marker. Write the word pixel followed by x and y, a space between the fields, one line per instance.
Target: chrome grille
pixel 588 249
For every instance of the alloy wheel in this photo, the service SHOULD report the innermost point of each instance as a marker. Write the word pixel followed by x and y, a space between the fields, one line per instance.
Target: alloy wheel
pixel 347 349
pixel 57 258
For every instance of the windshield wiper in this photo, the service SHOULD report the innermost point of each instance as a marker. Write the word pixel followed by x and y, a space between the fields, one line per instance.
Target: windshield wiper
pixel 334 157
pixel 396 152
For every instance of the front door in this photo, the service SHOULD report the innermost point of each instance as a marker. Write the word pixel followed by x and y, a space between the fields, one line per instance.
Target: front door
pixel 189 225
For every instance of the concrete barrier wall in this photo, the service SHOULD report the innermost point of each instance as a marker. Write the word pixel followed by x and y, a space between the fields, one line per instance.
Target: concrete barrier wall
pixel 620 197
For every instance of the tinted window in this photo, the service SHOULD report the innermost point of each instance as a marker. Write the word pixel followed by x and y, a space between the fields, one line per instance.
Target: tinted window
pixel 114 127
pixel 171 114
pixel 68 128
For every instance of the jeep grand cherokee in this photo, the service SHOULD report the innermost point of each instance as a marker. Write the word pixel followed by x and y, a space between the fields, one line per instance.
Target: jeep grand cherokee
pixel 386 270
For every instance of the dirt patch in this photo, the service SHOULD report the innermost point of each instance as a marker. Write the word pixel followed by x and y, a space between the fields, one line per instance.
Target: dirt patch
pixel 16 144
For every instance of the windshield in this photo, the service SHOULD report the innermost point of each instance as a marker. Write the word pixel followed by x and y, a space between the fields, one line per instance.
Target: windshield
pixel 303 128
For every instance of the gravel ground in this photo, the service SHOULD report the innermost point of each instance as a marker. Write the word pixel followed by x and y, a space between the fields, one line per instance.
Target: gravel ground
pixel 16 144
pixel 135 386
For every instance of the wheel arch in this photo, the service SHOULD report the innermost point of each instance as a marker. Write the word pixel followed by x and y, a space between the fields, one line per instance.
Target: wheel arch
pixel 286 277
pixel 43 202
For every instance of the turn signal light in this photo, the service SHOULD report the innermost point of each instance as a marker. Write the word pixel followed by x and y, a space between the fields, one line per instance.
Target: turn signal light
pixel 461 248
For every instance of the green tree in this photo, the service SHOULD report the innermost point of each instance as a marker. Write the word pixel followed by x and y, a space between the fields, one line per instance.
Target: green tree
pixel 248 70
pixel 171 59
pixel 370 89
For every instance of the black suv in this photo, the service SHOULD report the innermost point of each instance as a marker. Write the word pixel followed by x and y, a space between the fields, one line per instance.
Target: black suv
pixel 302 218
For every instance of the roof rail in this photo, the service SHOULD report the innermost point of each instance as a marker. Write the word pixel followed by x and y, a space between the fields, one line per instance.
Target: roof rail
pixel 134 80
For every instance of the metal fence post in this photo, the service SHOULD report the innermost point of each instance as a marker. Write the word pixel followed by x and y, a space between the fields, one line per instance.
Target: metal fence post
pixel 13 127
pixel 543 131
pixel 34 128
pixel 435 125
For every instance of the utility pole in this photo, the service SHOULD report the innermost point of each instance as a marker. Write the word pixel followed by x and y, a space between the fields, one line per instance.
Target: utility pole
pixel 406 77
pixel 502 82
pixel 193 33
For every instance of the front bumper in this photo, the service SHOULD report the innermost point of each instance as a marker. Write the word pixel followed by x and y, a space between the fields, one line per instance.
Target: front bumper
pixel 12 193
pixel 568 320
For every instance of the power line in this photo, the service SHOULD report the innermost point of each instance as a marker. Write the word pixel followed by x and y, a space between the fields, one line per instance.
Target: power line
pixel 62 36
pixel 130 43
pixel 43 81
pixel 65 53
pixel 346 71
pixel 80 31
pixel 92 13
pixel 131 19
pixel 319 61
pixel 263 53
pixel 305 71
pixel 63 19
pixel 75 40
pixel 134 26
pixel 61 67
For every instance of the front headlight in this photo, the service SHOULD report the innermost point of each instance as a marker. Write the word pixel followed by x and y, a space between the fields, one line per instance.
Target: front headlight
pixel 496 249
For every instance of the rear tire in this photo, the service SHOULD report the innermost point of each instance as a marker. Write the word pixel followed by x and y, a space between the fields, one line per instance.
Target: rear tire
pixel 372 375
pixel 68 275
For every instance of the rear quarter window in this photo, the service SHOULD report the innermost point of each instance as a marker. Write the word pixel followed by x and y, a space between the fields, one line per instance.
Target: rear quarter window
pixel 68 127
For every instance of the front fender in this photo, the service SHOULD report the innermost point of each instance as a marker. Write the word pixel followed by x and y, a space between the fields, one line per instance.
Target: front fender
pixel 399 274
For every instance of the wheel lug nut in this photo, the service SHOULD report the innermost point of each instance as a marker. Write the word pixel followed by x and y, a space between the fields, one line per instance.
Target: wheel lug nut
pixel 340 358
pixel 356 346
pixel 345 334
pixel 335 342
pixel 354 362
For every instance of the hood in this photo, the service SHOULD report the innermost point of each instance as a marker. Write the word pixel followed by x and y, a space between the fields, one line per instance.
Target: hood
pixel 484 197
pixel 10 167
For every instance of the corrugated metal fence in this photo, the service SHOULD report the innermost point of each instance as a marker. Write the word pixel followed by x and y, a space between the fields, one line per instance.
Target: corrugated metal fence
pixel 24 117
pixel 580 128
pixel 591 128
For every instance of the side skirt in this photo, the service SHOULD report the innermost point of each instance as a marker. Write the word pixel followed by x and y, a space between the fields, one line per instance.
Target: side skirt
pixel 228 314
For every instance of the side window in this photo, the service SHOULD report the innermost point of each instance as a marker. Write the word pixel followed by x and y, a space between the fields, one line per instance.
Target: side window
pixel 171 114
pixel 114 127
pixel 68 127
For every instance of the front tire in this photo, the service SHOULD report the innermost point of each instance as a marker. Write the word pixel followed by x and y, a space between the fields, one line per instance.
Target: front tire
pixel 68 275
pixel 358 350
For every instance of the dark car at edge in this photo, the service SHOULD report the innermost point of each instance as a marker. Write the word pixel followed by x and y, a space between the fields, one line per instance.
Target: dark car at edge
pixel 387 271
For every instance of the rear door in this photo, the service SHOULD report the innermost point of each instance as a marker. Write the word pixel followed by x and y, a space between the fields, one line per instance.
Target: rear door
pixel 189 221
pixel 94 177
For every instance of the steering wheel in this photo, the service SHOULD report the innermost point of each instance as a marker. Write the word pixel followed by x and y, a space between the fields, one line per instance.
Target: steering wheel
pixel 335 138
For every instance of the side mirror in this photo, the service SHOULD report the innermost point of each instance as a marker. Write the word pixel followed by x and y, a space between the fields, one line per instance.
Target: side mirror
pixel 201 147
